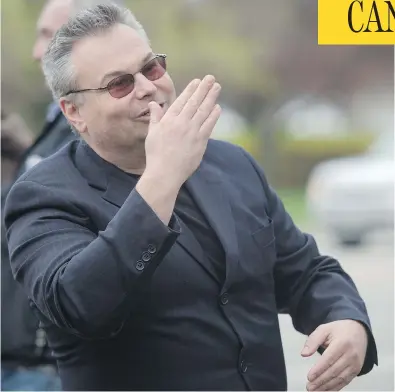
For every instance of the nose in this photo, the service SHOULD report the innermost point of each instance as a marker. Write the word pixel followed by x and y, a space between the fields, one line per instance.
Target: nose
pixel 143 86
pixel 38 50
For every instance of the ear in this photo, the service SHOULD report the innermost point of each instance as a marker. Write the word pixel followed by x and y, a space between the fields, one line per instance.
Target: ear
pixel 72 112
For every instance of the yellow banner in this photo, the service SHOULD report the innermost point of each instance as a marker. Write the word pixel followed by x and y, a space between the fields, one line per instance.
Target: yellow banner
pixel 356 22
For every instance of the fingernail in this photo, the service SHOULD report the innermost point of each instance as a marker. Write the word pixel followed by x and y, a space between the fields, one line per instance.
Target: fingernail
pixel 305 350
pixel 210 79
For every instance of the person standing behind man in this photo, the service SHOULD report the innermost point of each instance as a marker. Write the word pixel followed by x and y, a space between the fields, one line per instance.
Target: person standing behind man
pixel 16 137
pixel 27 363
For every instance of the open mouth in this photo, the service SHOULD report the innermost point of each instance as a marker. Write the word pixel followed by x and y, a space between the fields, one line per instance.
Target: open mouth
pixel 147 112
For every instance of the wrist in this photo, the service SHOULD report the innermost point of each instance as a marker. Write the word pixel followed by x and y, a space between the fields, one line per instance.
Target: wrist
pixel 164 179
pixel 161 181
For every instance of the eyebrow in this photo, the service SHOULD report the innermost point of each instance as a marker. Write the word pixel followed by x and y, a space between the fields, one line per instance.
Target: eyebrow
pixel 119 73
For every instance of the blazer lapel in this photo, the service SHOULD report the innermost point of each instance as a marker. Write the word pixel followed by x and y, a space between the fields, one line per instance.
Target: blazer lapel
pixel 115 184
pixel 118 189
pixel 191 245
pixel 207 190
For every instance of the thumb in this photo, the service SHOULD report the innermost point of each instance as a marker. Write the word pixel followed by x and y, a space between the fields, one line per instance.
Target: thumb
pixel 314 341
pixel 156 112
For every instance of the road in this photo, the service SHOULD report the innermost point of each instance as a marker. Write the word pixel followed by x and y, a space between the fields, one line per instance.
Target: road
pixel 372 269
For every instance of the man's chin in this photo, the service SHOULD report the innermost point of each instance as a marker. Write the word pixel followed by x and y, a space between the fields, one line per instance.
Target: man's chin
pixel 141 131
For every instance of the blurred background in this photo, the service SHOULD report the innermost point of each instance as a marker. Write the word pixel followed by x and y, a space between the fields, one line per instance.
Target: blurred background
pixel 320 120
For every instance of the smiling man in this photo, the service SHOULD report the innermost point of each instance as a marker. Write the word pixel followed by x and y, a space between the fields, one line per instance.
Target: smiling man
pixel 158 259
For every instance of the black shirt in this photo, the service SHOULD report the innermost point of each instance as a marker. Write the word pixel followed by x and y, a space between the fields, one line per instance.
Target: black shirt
pixel 189 213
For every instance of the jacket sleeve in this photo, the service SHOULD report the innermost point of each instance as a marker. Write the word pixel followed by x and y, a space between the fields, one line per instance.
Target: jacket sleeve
pixel 83 281
pixel 312 288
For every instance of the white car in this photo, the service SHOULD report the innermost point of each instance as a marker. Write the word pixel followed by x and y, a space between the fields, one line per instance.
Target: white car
pixel 354 196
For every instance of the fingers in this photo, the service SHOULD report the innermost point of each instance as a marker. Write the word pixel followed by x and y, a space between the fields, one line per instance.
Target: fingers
pixel 178 105
pixel 156 112
pixel 328 359
pixel 194 102
pixel 337 383
pixel 210 122
pixel 319 383
pixel 314 341
pixel 207 106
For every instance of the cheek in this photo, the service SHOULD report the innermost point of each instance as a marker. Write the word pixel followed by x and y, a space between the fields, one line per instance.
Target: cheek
pixel 89 113
pixel 166 86
pixel 114 119
pixel 102 109
pixel 93 114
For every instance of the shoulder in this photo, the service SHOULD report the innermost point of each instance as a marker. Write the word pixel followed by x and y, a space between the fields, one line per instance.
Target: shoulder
pixel 53 177
pixel 223 146
pixel 233 159
pixel 223 153
pixel 52 138
pixel 51 188
pixel 54 170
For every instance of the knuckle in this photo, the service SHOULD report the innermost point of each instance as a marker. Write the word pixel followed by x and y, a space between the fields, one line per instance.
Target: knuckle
pixel 322 381
pixel 193 102
pixel 202 110
pixel 331 362
pixel 170 115
pixel 354 356
pixel 347 344
pixel 345 378
pixel 341 379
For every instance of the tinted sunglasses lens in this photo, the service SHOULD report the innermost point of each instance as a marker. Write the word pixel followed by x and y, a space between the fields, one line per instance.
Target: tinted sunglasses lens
pixel 155 69
pixel 162 62
pixel 121 86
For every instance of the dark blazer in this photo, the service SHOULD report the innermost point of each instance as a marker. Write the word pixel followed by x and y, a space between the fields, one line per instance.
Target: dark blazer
pixel 19 325
pixel 54 135
pixel 131 304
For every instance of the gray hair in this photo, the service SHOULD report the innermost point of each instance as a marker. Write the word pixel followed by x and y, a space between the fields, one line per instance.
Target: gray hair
pixel 57 66
pixel 79 5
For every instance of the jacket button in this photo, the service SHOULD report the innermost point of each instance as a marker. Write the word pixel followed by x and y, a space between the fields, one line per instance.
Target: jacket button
pixel 146 257
pixel 139 266
pixel 224 298
pixel 151 249
pixel 243 366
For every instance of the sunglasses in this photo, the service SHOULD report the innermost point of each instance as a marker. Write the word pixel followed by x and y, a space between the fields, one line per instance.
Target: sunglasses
pixel 124 84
